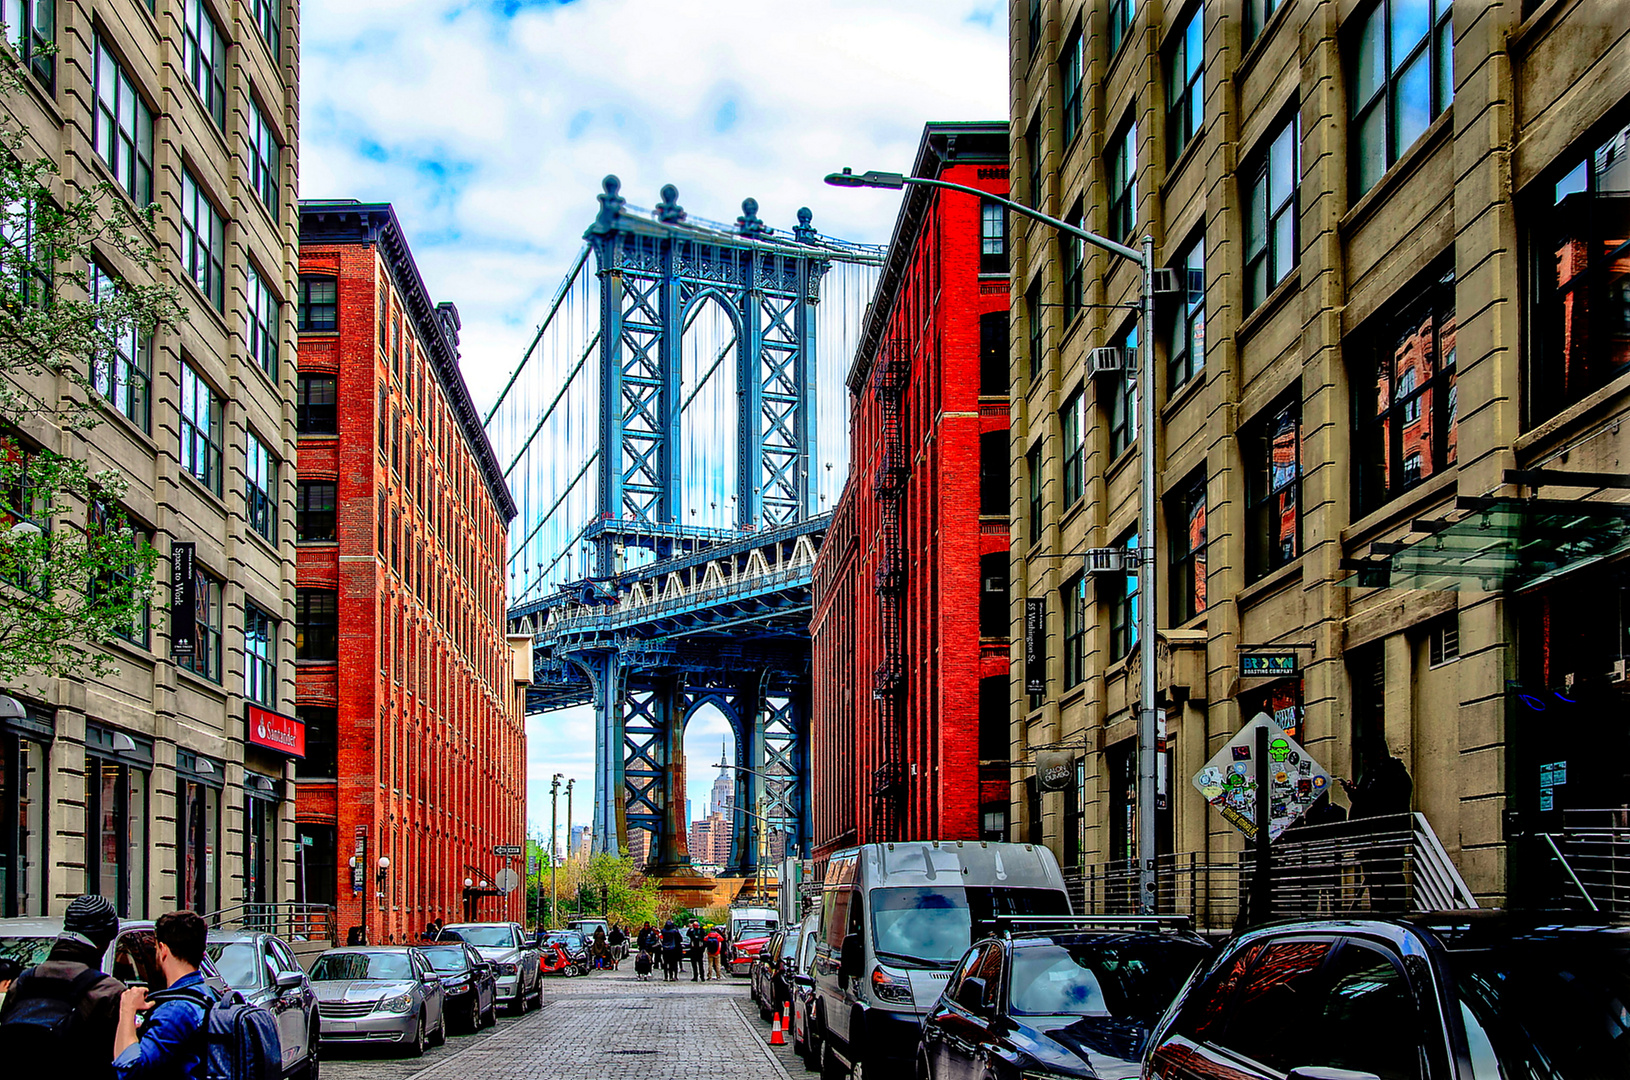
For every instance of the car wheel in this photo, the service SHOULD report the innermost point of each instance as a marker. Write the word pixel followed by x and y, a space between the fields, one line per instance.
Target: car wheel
pixel 313 1058
pixel 439 1036
pixel 416 1048
pixel 831 1067
pixel 474 1019
pixel 490 1017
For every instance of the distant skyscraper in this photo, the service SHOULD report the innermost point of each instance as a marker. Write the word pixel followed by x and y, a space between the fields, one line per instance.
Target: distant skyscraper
pixel 722 800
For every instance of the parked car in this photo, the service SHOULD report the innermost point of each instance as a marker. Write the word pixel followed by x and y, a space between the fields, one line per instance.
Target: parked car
pixel 379 994
pixel 577 949
pixel 587 927
pixel 777 961
pixel 802 983
pixel 1060 1003
pixel 264 970
pixel 467 982
pixel 895 919
pixel 760 974
pixel 751 923
pixel 1460 995
pixel 132 957
pixel 516 961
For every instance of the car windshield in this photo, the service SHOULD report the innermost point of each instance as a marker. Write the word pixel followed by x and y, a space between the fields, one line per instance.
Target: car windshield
pixel 571 941
pixel 1547 1009
pixel 1129 978
pixel 934 926
pixel 747 928
pixel 27 951
pixel 447 959
pixel 488 936
pixel 379 967
pixel 237 963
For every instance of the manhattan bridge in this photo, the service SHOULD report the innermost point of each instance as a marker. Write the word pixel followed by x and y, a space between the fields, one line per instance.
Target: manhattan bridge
pixel 675 437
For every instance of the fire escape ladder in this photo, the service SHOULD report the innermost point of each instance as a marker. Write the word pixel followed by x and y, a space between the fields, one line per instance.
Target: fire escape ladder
pixel 889 488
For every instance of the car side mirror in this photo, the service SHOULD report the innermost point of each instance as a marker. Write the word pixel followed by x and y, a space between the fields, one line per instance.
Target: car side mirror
pixel 289 980
pixel 971 994
pixel 853 957
pixel 1325 1072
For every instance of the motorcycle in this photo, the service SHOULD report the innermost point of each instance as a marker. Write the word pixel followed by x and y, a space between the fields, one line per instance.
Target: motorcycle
pixel 554 960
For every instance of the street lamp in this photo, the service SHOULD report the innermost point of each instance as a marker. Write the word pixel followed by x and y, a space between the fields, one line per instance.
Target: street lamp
pixel 1144 260
pixel 554 838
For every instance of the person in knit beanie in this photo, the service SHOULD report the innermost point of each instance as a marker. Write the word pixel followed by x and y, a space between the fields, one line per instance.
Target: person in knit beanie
pixel 88 928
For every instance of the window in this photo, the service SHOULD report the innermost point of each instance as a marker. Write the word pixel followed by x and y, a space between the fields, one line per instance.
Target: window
pixel 203 241
pixel 992 238
pixel 314 505
pixel 1069 77
pixel 1033 23
pixel 319 304
pixel 1185 85
pixel 1120 22
pixel 322 743
pixel 1257 14
pixel 1033 461
pixel 199 839
pixel 263 160
pixel 995 474
pixel 1123 602
pixel 1032 157
pixel 29 280
pixel 261 317
pixel 1188 581
pixel 315 405
pixel 200 429
pixel 1408 430
pixel 1121 170
pixel 1033 322
pixel 120 366
pixel 1074 599
pixel 1273 449
pixel 1073 434
pixel 206 657
pixel 203 56
pixel 1443 640
pixel 1186 345
pixel 1073 257
pixel 31 26
pixel 1580 244
pixel 123 128
pixel 316 624
pixel 993 605
pixel 1403 78
pixel 266 18
pixel 24 765
pixel 259 656
pixel 1270 218
pixel 260 487
pixel 105 520
pixel 1122 396
pixel 993 354
pixel 116 795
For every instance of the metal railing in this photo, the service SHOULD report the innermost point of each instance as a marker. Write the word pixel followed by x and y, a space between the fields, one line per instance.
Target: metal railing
pixel 1590 856
pixel 1386 865
pixel 289 921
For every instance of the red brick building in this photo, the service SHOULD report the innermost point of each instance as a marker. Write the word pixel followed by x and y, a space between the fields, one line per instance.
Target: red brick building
pixel 910 649
pixel 415 746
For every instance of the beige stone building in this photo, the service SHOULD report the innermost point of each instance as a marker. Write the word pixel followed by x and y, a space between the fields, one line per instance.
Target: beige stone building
pixel 1400 228
pixel 149 786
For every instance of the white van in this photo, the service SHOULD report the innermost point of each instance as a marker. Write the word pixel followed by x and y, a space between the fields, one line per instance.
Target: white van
pixel 895 919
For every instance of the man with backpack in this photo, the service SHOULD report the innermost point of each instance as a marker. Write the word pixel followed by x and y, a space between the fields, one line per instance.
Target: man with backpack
pixel 60 1016
pixel 714 943
pixel 171 1043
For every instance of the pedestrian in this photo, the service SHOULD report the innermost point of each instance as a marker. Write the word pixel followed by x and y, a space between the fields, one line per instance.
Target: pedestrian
pixel 9 970
pixel 1384 791
pixel 619 942
pixel 671 945
pixel 693 942
pixel 649 939
pixel 59 1017
pixel 714 944
pixel 169 1045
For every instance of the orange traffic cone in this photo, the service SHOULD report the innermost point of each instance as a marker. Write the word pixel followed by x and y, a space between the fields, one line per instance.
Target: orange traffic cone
pixel 786 1018
pixel 776 1038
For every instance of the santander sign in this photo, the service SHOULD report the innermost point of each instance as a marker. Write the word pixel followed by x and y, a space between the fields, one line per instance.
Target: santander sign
pixel 274 731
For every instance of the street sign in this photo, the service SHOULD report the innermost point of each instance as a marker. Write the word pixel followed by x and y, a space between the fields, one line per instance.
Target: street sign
pixel 1273 665
pixel 507 881
pixel 508 851
pixel 1229 780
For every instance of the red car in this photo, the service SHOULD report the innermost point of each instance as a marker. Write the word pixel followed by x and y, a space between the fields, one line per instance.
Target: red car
pixel 744 952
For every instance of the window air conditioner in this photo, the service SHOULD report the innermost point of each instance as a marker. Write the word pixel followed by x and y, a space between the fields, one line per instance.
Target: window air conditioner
pixel 1110 560
pixel 1106 360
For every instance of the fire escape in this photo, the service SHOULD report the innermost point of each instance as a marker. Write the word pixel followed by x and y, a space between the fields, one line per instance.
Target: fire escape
pixel 889 681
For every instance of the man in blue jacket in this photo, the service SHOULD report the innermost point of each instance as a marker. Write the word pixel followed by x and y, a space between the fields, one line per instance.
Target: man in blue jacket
pixel 171 1043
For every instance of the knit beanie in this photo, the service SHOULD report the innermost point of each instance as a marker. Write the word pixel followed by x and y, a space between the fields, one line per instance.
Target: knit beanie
pixel 92 918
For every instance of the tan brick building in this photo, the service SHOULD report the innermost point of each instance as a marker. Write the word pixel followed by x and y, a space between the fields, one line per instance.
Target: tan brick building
pixel 148 786
pixel 1392 220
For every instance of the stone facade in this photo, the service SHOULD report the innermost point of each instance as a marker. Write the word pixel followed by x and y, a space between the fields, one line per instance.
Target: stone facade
pixel 1373 339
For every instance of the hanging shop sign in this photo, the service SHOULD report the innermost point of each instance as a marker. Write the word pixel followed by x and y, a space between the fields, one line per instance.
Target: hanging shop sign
pixel 1035 645
pixel 1055 770
pixel 1229 780
pixel 274 731
pixel 1267 665
pixel 183 598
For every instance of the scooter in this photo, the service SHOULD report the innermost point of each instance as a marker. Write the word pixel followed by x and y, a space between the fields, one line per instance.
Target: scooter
pixel 552 960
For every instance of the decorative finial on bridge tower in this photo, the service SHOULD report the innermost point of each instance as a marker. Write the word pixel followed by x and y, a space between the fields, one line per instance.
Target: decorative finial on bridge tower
pixel 668 210
pixel 611 205
pixel 804 232
pixel 749 224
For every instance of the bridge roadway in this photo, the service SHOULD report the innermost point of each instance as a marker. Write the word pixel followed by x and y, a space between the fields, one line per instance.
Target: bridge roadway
pixel 606 1026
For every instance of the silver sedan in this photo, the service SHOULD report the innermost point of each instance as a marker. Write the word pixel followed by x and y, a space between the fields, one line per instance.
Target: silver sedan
pixel 379 994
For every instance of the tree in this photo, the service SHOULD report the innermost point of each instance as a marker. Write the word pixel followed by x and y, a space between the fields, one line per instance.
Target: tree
pixel 74 574
pixel 629 897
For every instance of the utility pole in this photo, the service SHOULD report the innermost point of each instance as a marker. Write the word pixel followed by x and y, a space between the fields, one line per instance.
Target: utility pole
pixel 569 784
pixel 554 837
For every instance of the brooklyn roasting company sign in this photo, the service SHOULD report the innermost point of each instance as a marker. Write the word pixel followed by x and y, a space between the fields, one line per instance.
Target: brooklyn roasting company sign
pixel 274 731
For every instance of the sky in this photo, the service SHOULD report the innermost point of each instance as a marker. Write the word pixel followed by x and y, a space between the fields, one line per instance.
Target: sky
pixel 490 123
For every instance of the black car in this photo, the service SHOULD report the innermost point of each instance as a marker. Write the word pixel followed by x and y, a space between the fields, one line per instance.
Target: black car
pixel 761 975
pixel 1459 996
pixel 468 982
pixel 577 948
pixel 1059 1003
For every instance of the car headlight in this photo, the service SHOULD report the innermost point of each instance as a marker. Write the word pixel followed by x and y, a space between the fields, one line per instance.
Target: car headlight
pixel 401 1003
pixel 891 988
pixel 506 969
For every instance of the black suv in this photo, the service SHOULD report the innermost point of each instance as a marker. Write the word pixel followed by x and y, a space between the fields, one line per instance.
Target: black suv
pixel 1458 996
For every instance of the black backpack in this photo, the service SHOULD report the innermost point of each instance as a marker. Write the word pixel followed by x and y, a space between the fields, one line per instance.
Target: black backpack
pixel 44 1029
pixel 241 1040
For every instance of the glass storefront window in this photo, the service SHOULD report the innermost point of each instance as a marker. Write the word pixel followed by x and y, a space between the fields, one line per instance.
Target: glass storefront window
pixel 260 846
pixel 22 826
pixel 116 834
pixel 200 846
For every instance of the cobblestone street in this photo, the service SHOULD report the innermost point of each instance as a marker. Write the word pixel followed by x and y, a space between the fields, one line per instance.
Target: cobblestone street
pixel 608 1026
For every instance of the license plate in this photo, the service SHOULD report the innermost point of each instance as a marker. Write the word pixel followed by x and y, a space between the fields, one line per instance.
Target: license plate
pixel 340 1025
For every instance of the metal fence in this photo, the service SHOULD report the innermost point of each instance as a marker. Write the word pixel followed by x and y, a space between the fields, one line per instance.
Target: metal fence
pixel 1386 865
pixel 290 921
pixel 1590 855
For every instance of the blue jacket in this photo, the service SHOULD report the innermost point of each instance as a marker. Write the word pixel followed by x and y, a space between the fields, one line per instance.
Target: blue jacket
pixel 172 1042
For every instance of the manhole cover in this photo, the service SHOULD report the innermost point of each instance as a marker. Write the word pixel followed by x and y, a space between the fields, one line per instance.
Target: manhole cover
pixel 633 1052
